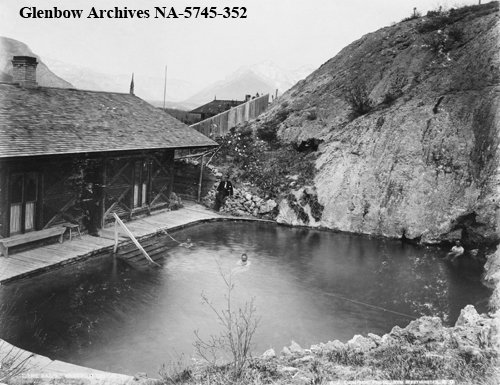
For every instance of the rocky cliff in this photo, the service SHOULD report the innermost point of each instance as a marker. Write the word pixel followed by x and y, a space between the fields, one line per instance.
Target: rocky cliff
pixel 408 122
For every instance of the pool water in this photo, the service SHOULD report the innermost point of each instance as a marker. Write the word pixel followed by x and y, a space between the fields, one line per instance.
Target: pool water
pixel 309 286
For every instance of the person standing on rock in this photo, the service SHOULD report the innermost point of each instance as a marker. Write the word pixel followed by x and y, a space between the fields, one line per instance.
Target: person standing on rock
pixel 224 190
pixel 456 251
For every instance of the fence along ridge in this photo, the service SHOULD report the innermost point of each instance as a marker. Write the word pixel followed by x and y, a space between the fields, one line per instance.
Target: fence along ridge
pixel 220 124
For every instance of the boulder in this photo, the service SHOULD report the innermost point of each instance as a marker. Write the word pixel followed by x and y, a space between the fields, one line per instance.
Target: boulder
pixel 286 352
pixel 268 354
pixel 335 345
pixel 305 359
pixel 328 347
pixel 471 336
pixel 295 347
pixel 142 379
pixel 267 207
pixel 424 329
pixel 361 344
pixel 468 317
pixel 140 376
pixel 375 338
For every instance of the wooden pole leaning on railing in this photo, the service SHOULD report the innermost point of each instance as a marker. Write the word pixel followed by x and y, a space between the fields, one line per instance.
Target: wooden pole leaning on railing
pixel 118 221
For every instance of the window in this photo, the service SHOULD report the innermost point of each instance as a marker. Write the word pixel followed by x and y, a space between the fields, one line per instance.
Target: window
pixel 141 178
pixel 23 198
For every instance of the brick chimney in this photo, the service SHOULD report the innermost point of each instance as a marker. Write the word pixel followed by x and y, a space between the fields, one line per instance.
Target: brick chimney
pixel 25 70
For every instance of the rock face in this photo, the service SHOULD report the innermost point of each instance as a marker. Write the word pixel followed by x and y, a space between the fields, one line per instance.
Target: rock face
pixel 422 163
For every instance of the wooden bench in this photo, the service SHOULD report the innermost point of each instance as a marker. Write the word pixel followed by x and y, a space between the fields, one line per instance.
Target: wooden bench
pixel 21 239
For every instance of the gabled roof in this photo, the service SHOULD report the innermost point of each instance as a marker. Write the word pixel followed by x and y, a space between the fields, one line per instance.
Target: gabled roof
pixel 47 121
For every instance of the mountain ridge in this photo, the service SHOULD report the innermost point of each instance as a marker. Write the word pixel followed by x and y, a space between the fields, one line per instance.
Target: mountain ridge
pixel 45 77
pixel 263 77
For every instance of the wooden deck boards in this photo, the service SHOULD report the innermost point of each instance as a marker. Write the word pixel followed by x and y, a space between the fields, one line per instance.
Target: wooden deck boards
pixel 45 256
pixel 31 262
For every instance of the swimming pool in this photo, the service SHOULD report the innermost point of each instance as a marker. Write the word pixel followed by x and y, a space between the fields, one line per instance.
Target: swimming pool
pixel 309 286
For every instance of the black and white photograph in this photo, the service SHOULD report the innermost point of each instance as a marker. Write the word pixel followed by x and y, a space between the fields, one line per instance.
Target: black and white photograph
pixel 256 192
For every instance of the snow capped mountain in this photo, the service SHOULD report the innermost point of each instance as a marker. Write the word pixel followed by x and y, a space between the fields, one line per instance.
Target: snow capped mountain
pixel 146 87
pixel 271 73
pixel 264 77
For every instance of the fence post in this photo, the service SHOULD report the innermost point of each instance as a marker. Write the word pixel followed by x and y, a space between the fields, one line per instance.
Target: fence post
pixel 200 181
pixel 116 237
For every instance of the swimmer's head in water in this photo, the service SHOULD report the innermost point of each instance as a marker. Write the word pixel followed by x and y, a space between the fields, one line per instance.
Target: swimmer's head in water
pixel 244 257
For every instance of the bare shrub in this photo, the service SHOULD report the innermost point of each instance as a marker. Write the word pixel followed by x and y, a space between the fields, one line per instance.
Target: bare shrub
pixel 358 99
pixel 238 325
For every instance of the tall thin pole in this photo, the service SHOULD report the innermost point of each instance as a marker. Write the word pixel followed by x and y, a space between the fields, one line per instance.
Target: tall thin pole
pixel 165 89
pixel 200 181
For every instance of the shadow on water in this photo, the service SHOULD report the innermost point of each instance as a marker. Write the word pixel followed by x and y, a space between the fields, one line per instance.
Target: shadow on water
pixel 310 286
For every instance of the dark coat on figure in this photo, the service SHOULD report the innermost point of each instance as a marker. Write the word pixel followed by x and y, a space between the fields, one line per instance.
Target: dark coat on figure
pixel 90 205
pixel 225 189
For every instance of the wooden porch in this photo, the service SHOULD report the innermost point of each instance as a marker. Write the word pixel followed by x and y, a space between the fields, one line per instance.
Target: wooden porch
pixel 38 260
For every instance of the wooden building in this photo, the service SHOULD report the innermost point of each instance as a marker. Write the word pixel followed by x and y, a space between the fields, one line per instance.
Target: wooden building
pixel 53 141
pixel 215 107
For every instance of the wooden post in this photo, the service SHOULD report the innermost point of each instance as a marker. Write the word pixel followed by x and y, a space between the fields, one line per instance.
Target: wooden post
pixel 200 181
pixel 116 237
pixel 104 180
pixel 4 202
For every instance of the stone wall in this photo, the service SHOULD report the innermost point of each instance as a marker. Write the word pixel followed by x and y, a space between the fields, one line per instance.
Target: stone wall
pixel 243 203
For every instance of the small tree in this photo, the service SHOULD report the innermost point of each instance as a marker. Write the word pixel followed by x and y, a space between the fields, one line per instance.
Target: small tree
pixel 238 325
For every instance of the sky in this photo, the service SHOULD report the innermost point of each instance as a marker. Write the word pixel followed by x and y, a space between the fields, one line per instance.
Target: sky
pixel 289 33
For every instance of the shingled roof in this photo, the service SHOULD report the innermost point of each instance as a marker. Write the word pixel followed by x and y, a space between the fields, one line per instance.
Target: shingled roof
pixel 47 121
